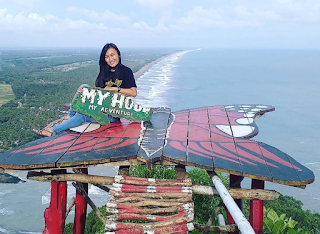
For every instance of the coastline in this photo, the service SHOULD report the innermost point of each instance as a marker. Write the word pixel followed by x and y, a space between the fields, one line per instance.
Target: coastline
pixel 146 67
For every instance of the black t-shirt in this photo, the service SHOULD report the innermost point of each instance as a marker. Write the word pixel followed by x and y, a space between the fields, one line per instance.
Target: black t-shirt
pixel 122 77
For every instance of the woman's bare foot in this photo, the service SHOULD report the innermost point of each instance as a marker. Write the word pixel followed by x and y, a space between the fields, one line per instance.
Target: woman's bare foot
pixel 44 132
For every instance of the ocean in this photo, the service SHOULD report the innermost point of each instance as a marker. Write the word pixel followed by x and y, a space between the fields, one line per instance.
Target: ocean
pixel 286 79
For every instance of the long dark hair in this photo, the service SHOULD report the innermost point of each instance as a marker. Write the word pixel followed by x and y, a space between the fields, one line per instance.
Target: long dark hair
pixel 104 67
pixel 102 60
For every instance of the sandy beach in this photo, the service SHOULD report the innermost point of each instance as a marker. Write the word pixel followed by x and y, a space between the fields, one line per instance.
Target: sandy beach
pixel 147 67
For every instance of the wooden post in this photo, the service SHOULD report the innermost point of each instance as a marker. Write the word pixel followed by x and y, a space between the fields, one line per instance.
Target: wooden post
pixel 181 172
pixel 256 208
pixel 80 208
pixel 55 214
pixel 235 182
pixel 124 170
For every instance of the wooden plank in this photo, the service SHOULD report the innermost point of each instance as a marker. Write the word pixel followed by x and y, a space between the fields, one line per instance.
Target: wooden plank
pixel 249 153
pixel 283 171
pixel 77 153
pixel 154 139
pixel 54 151
pixel 20 157
pixel 176 148
pixel 199 142
pixel 129 144
pixel 254 164
pixel 6 155
pixel 225 156
pixel 241 125
pixel 306 176
pixel 113 138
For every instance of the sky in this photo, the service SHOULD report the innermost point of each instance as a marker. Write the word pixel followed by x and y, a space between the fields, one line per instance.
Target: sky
pixel 284 24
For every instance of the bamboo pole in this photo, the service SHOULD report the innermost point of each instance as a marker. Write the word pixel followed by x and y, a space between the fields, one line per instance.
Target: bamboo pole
pixel 139 199
pixel 134 210
pixel 71 205
pixel 82 178
pixel 154 218
pixel 249 194
pixel 150 195
pixel 241 221
pixel 227 228
pixel 104 188
pixel 110 226
pixel 149 203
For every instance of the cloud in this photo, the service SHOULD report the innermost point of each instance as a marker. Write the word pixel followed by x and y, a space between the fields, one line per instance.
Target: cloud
pixel 307 11
pixel 244 16
pixel 20 21
pixel 157 6
pixel 34 22
pixel 200 18
pixel 161 8
pixel 106 16
pixel 145 28
pixel 161 20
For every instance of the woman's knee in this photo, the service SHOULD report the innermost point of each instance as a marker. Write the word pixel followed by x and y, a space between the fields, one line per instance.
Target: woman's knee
pixel 79 118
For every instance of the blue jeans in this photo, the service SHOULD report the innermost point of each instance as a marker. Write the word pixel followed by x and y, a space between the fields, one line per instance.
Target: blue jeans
pixel 77 119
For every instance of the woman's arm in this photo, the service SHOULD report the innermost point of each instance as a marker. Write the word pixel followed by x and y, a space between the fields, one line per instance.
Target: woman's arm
pixel 131 92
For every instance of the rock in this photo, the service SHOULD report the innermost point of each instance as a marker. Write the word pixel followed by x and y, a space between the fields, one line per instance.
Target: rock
pixel 7 178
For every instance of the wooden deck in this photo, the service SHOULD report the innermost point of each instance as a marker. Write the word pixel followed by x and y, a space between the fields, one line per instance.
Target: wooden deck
pixel 213 138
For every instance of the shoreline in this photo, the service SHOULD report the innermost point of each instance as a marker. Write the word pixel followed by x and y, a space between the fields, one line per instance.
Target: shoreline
pixel 146 67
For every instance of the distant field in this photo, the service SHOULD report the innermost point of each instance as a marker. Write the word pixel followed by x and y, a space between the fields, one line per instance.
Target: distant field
pixel 6 94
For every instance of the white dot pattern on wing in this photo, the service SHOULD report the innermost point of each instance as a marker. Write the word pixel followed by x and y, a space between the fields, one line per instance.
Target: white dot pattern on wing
pixel 236 130
pixel 245 126
pixel 244 120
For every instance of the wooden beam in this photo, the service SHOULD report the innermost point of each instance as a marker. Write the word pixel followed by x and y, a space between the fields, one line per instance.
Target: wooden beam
pixel 249 194
pixel 82 178
pixel 227 228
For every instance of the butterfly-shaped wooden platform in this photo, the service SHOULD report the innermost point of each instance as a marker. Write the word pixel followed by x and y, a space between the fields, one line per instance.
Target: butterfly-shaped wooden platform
pixel 213 138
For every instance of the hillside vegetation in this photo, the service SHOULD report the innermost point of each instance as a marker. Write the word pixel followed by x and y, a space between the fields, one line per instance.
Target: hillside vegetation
pixel 6 94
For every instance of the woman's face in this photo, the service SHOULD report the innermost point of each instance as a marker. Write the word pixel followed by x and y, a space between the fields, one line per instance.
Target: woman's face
pixel 112 57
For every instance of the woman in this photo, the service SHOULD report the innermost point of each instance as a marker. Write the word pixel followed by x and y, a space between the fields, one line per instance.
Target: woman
pixel 113 76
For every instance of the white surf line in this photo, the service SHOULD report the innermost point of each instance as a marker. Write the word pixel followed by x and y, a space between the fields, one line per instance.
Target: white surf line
pixel 155 82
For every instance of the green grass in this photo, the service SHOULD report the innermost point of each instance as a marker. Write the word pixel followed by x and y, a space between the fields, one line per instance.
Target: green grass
pixel 6 94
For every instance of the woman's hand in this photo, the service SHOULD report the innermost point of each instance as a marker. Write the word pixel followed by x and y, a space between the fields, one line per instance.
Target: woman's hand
pixel 130 92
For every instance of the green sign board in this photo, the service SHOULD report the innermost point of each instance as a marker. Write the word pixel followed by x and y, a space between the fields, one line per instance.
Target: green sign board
pixel 99 103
